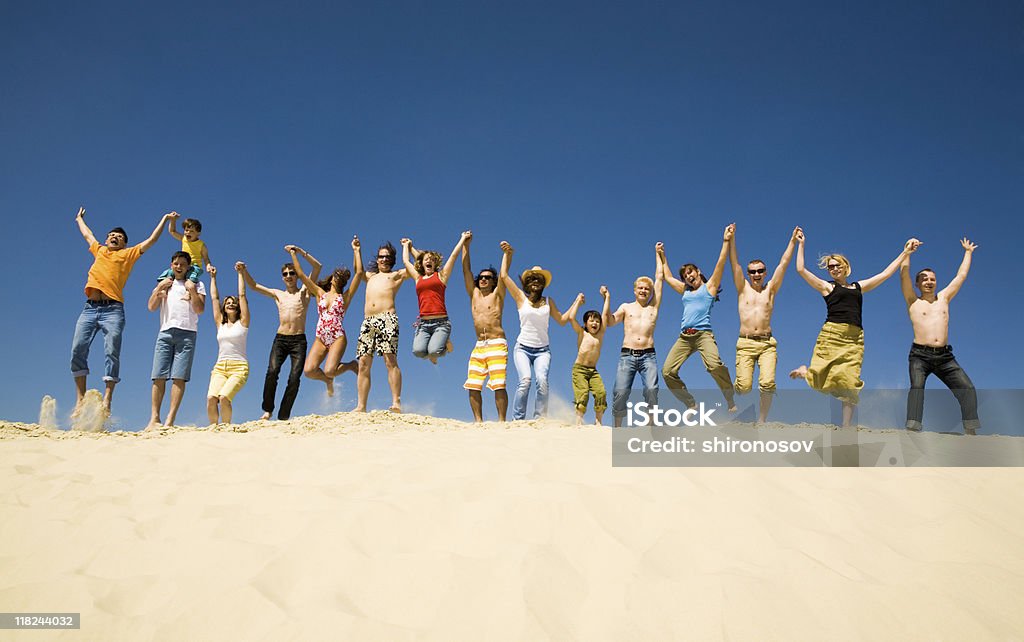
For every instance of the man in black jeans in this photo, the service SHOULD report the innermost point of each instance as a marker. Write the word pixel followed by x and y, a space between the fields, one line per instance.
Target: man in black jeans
pixel 290 341
pixel 929 314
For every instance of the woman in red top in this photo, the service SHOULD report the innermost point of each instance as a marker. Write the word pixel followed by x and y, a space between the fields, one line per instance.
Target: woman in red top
pixel 432 327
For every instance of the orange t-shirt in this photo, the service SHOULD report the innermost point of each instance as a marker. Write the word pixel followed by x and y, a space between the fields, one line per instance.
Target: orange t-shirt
pixel 110 270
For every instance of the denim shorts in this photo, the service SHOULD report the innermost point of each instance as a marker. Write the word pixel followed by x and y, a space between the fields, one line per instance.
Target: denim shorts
pixel 172 356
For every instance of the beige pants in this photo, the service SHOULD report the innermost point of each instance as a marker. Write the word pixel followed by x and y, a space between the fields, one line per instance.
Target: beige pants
pixel 704 343
pixel 837 360
pixel 761 352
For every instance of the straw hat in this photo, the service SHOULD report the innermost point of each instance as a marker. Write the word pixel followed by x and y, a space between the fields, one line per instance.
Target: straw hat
pixel 536 270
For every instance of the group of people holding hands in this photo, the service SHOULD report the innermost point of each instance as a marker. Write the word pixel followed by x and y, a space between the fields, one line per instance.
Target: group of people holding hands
pixel 180 297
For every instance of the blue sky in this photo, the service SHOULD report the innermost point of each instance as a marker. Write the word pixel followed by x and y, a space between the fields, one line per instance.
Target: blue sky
pixel 581 132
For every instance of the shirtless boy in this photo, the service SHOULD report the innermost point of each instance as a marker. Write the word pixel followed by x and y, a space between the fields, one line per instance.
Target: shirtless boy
pixel 756 345
pixel 931 352
pixel 379 331
pixel 637 356
pixel 589 337
pixel 490 354
pixel 104 303
pixel 290 340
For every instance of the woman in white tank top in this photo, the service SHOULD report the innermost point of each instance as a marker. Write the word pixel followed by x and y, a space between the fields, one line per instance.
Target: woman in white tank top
pixel 532 353
pixel 232 368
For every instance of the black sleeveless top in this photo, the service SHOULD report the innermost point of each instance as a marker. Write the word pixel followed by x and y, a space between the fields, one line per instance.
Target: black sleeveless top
pixel 844 304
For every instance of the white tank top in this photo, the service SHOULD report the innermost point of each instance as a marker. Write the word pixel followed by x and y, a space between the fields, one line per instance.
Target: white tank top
pixel 533 324
pixel 231 341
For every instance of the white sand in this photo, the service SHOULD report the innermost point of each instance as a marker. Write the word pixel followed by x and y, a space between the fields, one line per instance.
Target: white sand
pixel 384 528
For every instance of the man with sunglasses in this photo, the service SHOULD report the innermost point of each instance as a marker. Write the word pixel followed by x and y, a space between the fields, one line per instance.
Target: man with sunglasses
pixel 490 354
pixel 378 333
pixel 290 340
pixel 104 304
pixel 756 345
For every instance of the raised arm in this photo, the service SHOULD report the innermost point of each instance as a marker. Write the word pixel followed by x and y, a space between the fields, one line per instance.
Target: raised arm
pixel 716 276
pixel 780 269
pixel 613 318
pixel 605 307
pixel 561 318
pixel 215 296
pixel 311 285
pixel 449 265
pixel 148 243
pixel 570 314
pixel 206 257
pixel 505 279
pixel 467 270
pixel 734 263
pixel 313 263
pixel 873 282
pixel 87 234
pixel 251 282
pixel 961 274
pixel 666 273
pixel 410 267
pixel 172 228
pixel 357 273
pixel 659 273
pixel 823 287
pixel 905 285
pixel 243 301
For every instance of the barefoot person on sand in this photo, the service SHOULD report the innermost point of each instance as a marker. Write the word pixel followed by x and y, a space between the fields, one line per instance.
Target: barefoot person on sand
pixel 180 302
pixel 639 317
pixel 433 327
pixel 586 380
pixel 232 368
pixel 489 359
pixel 695 334
pixel 379 331
pixel 532 353
pixel 839 349
pixel 931 352
pixel 104 303
pixel 290 340
pixel 332 300
pixel 756 345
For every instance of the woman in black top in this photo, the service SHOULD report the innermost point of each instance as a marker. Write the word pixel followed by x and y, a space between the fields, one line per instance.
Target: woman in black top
pixel 839 349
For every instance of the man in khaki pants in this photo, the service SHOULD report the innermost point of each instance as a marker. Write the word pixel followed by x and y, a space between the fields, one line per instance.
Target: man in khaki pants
pixel 756 345
pixel 695 335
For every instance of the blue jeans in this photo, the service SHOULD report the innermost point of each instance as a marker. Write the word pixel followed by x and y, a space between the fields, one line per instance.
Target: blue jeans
pixel 431 337
pixel 172 356
pixel 539 361
pixel 105 317
pixel 631 363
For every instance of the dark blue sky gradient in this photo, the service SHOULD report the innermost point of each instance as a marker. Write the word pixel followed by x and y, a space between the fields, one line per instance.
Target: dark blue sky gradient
pixel 582 133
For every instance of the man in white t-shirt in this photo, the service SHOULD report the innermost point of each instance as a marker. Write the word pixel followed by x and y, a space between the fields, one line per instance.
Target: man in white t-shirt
pixel 181 302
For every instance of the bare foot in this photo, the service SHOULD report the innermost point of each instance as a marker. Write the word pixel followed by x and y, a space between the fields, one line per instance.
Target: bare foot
pixel 799 373
pixel 449 347
pixel 396 408
pixel 351 366
pixel 433 359
pixel 330 387
pixel 579 420
pixel 153 424
pixel 265 416
pixel 732 408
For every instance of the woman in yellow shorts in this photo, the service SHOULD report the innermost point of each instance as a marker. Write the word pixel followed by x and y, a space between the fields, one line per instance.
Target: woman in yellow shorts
pixel 839 349
pixel 232 368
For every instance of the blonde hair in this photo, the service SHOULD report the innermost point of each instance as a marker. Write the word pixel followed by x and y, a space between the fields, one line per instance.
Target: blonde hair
pixel 419 261
pixel 646 279
pixel 823 262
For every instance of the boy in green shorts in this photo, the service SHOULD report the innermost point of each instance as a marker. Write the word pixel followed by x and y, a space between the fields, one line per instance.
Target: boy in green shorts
pixel 585 378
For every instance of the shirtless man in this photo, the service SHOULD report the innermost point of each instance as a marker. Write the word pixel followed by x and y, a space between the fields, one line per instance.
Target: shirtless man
pixel 637 356
pixel 490 354
pixel 379 332
pixel 931 353
pixel 290 340
pixel 755 344
pixel 589 337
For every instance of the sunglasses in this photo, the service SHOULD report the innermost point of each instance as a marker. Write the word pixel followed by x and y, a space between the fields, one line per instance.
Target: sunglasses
pixel 834 266
pixel 384 257
pixel 489 277
pixel 289 274
pixel 760 271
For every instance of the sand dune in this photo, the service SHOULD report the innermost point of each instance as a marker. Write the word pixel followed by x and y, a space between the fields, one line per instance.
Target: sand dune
pixel 409 527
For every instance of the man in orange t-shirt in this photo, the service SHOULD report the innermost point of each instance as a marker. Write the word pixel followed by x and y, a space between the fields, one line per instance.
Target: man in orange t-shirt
pixel 104 302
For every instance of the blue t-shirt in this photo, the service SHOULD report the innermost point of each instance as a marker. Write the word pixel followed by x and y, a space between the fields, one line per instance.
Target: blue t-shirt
pixel 697 309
